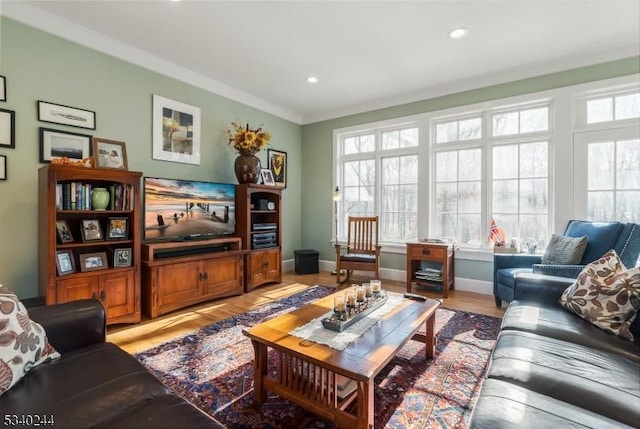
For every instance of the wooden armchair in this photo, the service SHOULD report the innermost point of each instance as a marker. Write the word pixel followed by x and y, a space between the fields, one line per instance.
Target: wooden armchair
pixel 362 251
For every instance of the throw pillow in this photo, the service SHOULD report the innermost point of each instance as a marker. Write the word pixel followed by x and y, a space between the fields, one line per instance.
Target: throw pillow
pixel 605 294
pixel 563 250
pixel 23 342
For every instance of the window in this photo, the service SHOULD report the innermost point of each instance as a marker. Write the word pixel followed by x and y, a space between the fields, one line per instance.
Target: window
pixel 614 108
pixel 379 176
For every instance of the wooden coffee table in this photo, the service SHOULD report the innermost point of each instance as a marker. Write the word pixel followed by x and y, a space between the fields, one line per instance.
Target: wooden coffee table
pixel 308 373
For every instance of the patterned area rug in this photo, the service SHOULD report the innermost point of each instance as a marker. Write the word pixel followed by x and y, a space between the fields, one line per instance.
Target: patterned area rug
pixel 212 368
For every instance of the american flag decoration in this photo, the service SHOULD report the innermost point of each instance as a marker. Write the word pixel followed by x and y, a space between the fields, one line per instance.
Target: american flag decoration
pixel 496 234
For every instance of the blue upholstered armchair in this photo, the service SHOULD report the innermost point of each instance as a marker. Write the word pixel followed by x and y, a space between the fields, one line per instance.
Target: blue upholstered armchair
pixel 601 237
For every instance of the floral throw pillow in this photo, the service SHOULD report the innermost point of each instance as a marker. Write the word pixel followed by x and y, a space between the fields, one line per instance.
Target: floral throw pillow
pixel 606 294
pixel 23 342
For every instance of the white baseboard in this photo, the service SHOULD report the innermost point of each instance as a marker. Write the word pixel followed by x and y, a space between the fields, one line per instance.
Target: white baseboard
pixel 461 283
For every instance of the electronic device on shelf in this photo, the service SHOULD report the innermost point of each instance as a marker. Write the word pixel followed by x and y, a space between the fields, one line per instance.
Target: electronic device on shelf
pixel 180 209
pixel 264 226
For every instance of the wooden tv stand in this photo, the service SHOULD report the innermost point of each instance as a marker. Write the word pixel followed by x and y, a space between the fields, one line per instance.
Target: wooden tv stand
pixel 179 274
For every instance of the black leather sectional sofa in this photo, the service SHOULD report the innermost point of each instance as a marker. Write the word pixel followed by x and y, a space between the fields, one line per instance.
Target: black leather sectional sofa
pixel 552 369
pixel 94 384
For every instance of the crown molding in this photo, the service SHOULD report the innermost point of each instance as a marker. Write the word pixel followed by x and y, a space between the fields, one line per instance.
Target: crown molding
pixel 49 23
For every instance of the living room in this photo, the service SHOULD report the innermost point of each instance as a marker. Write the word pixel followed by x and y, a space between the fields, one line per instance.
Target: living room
pixel 40 62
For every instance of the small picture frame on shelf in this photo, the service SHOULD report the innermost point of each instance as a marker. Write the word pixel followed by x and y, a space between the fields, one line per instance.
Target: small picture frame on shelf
pixel 109 153
pixel 91 230
pixel 93 261
pixel 267 177
pixel 118 228
pixel 122 257
pixel 64 262
pixel 64 232
pixel 277 162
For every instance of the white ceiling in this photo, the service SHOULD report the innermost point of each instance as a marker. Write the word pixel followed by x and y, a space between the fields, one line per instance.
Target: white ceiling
pixel 366 54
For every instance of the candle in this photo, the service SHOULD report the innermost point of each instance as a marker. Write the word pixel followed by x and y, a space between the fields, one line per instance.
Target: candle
pixel 376 285
pixel 360 292
pixel 351 298
pixel 367 289
pixel 339 304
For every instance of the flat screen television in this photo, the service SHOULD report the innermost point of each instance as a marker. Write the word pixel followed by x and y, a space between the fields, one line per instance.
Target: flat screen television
pixel 187 209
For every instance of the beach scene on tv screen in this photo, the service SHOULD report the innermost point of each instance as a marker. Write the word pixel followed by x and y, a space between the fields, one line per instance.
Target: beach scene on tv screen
pixel 178 209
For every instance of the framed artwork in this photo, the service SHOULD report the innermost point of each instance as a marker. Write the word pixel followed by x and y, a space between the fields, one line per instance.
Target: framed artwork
pixel 3 167
pixel 267 177
pixel 176 131
pixel 66 115
pixel 3 88
pixel 93 261
pixel 64 262
pixel 7 128
pixel 58 144
pixel 109 153
pixel 122 257
pixel 118 228
pixel 277 162
pixel 64 233
pixel 91 230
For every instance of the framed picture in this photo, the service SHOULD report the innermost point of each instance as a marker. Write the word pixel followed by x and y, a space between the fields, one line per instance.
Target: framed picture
pixel 3 88
pixel 91 230
pixel 176 131
pixel 64 262
pixel 277 162
pixel 66 115
pixel 3 167
pixel 122 257
pixel 58 144
pixel 64 233
pixel 109 153
pixel 93 261
pixel 118 228
pixel 7 128
pixel 267 177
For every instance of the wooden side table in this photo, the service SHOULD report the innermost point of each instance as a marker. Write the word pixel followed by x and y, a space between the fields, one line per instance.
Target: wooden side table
pixel 441 254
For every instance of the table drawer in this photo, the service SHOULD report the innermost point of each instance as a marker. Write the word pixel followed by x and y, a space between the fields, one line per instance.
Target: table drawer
pixel 426 253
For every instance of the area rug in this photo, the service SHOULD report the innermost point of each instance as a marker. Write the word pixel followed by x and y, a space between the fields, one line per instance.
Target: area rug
pixel 212 368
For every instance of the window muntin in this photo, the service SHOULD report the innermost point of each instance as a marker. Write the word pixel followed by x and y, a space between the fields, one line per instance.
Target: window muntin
pixel 359 144
pixel 399 196
pixel 394 139
pixel 613 108
pixel 520 121
pixel 459 130
pixel 359 188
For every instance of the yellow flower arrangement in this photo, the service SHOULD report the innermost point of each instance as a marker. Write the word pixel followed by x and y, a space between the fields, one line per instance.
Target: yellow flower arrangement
pixel 247 141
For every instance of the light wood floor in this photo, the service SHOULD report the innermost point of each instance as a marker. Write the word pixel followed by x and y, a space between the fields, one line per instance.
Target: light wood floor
pixel 149 333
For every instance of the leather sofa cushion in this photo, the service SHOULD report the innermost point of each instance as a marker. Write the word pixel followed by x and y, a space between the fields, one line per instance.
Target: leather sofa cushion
pixel 506 406
pixel 602 382
pixel 163 412
pixel 84 387
pixel 556 322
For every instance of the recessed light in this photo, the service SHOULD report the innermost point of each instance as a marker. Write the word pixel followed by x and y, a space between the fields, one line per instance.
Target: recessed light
pixel 312 79
pixel 458 33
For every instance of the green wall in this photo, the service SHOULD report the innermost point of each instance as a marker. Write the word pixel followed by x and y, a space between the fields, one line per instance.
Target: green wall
pixel 317 153
pixel 40 66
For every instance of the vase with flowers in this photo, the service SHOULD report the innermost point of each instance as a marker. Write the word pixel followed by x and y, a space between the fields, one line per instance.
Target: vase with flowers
pixel 247 142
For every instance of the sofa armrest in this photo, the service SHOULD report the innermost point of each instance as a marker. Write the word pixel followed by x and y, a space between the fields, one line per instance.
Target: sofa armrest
pixel 516 260
pixel 540 288
pixel 72 325
pixel 570 271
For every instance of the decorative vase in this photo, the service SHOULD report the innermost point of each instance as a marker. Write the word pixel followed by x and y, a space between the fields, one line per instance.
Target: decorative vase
pixel 99 198
pixel 247 168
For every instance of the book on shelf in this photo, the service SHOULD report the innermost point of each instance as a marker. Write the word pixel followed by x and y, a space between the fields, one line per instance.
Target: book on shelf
pixel 77 196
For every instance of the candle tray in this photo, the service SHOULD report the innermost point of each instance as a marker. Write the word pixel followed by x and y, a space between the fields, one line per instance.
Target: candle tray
pixel 333 323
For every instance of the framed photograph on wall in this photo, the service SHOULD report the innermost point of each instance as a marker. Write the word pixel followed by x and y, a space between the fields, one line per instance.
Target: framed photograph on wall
pixel 64 262
pixel 118 228
pixel 64 232
pixel 58 144
pixel 91 230
pixel 109 153
pixel 7 128
pixel 93 261
pixel 3 167
pixel 277 162
pixel 267 177
pixel 176 131
pixel 66 115
pixel 3 88
pixel 122 257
